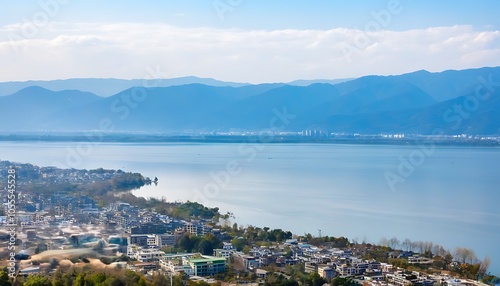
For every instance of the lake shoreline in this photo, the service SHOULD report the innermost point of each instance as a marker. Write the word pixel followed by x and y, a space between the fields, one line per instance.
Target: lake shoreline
pixel 354 139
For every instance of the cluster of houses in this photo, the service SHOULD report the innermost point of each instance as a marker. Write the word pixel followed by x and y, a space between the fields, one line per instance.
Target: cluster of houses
pixel 334 262
pixel 141 235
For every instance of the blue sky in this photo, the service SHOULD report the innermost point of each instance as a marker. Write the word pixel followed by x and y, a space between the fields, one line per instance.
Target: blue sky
pixel 245 40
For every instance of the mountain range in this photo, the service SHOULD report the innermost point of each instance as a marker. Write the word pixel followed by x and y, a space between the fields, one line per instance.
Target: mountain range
pixel 109 86
pixel 456 102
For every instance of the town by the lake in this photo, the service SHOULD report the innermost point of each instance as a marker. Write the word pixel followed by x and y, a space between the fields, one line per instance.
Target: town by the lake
pixel 65 226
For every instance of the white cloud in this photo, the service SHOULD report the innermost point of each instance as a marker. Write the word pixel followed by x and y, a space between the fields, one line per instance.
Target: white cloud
pixel 126 50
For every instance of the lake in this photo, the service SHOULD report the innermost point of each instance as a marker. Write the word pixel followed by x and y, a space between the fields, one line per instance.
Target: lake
pixel 447 195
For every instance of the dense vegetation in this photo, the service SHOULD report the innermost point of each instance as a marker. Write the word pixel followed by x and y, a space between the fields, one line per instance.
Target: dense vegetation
pixel 192 243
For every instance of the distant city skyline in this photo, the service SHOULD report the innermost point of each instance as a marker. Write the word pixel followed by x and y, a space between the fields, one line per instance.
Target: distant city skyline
pixel 244 41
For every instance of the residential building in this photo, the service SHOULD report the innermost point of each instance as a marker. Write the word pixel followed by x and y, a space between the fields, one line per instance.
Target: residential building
pixel 148 255
pixel 326 272
pixel 310 267
pixel 207 265
pixel 163 240
pixel 222 253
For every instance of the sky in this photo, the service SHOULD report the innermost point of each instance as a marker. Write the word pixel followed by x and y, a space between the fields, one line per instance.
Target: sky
pixel 252 41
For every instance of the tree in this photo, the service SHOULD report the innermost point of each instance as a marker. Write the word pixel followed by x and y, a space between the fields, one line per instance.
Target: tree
pixel 246 249
pixel 414 246
pixel 160 280
pixel 37 280
pixel 483 269
pixel 464 254
pixel 80 280
pixel 205 247
pixel 448 259
pixel 393 243
pixel 4 279
pixel 57 278
pixel 406 244
pixel 340 281
pixel 186 243
pixel 96 278
pixel 384 242
pixel 315 280
pixel 238 243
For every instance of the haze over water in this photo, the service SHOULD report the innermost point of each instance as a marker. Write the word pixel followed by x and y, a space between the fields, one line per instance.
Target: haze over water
pixel 451 198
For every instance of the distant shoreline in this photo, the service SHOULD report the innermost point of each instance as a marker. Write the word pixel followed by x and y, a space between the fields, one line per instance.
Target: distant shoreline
pixel 479 141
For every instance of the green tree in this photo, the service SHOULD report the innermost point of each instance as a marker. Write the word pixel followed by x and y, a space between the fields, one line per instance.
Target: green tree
pixel 160 280
pixel 96 278
pixel 4 279
pixel 314 279
pixel 80 280
pixel 37 280
pixel 238 243
pixel 208 243
pixel 246 249
pixel 341 281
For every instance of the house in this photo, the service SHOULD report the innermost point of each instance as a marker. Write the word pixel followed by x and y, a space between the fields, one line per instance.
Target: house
pixel 326 272
pixel 310 267
pixel 227 246
pixel 419 260
pixel 222 253
pixel 177 263
pixel 145 254
pixel 373 275
pixel 163 240
pixel 143 240
pixel 248 261
pixel 261 273
pixel 352 266
pixel 406 278
pixel 207 265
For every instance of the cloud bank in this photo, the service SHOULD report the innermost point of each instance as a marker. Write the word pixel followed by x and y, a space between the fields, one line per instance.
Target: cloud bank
pixel 129 50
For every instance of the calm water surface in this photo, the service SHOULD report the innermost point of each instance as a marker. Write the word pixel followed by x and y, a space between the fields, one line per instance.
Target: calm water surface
pixel 451 196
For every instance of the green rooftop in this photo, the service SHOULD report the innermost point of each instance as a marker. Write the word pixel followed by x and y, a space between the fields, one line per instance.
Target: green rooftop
pixel 207 259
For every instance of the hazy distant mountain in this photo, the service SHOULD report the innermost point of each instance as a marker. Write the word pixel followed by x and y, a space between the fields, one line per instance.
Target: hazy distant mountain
pixel 108 86
pixel 452 83
pixel 417 102
pixel 28 108
pixel 306 82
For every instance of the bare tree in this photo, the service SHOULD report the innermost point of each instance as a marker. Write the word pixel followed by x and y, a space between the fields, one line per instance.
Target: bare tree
pixel 420 245
pixel 393 242
pixel 406 244
pixel 465 254
pixel 384 241
pixel 414 246
pixel 460 254
pixel 472 257
pixel 483 269
pixel 427 249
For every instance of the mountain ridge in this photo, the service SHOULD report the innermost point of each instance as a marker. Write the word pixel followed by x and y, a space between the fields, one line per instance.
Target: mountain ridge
pixel 417 102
